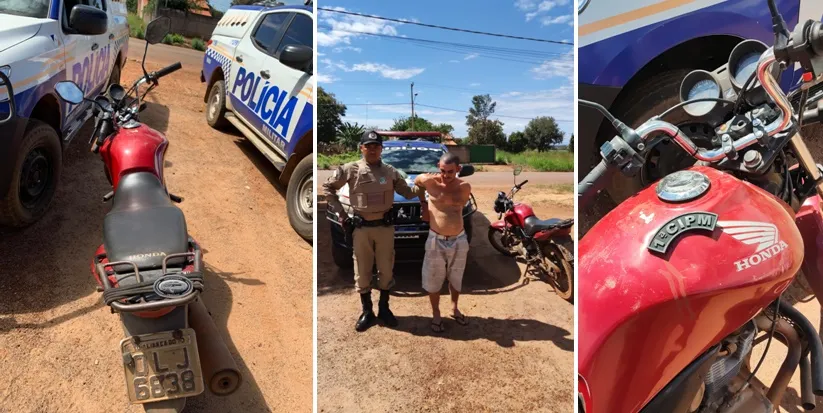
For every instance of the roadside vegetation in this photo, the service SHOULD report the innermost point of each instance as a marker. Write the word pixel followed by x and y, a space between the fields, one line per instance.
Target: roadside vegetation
pixel 538 147
pixel 137 29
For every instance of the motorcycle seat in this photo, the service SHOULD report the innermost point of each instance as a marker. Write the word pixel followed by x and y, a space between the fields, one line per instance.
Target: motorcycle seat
pixel 143 225
pixel 535 225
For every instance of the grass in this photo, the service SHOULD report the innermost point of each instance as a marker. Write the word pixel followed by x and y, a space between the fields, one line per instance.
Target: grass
pixel 174 38
pixel 551 161
pixel 198 44
pixel 555 188
pixel 137 26
pixel 327 162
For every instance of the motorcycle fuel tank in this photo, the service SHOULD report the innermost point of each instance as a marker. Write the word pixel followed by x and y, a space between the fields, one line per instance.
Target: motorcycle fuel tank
pixel 139 149
pixel 660 282
pixel 518 218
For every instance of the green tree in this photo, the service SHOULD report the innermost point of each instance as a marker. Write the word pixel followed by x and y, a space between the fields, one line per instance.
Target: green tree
pixel 131 6
pixel 517 142
pixel 329 112
pixel 542 133
pixel 571 143
pixel 444 128
pixel 350 134
pixel 488 132
pixel 404 123
pixel 482 107
pixel 184 5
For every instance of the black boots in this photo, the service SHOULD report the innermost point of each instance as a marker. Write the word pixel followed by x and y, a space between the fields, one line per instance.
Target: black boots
pixel 384 313
pixel 367 318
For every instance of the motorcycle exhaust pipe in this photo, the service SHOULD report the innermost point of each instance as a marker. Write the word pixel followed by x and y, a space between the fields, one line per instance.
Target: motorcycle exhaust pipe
pixel 220 371
pixel 806 395
pixel 815 346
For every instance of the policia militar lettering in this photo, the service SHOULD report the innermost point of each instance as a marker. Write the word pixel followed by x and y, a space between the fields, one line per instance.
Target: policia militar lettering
pixel 372 185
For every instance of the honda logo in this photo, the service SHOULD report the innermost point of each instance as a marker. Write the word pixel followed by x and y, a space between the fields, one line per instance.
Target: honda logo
pixel 763 235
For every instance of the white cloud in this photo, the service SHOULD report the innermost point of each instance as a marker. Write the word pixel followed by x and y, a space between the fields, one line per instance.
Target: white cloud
pixel 454 61
pixel 344 48
pixel 474 84
pixel 471 56
pixel 398 94
pixel 321 78
pixel 557 103
pixel 563 66
pixel 548 20
pixel 534 9
pixel 387 71
pixel 342 26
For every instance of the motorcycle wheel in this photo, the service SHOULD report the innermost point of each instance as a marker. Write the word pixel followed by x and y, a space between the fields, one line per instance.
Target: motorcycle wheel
pixel 499 243
pixel 563 283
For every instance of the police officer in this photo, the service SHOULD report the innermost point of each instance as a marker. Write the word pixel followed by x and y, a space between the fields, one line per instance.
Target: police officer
pixel 372 185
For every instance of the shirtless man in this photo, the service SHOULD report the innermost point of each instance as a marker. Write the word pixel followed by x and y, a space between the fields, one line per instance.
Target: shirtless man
pixel 447 245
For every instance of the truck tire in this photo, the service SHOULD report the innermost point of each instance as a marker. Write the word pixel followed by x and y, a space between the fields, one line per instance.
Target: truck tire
pixel 300 198
pixel 648 98
pixel 216 106
pixel 35 177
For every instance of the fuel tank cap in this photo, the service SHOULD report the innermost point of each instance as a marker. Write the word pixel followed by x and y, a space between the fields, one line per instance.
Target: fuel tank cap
pixel 682 186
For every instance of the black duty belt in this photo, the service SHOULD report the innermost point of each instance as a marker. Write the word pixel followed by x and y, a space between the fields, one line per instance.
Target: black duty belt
pixel 360 222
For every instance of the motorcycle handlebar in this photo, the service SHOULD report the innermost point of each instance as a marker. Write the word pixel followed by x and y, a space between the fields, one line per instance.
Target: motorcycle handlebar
pixel 520 185
pixel 166 71
pixel 594 181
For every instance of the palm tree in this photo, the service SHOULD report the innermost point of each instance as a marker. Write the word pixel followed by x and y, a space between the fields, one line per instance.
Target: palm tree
pixel 349 135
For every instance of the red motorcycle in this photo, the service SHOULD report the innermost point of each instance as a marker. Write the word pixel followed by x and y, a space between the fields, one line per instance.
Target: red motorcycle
pixel 680 281
pixel 148 268
pixel 546 246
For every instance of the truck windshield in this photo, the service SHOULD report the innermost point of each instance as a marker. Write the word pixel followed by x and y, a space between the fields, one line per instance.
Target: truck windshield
pixel 413 160
pixel 28 8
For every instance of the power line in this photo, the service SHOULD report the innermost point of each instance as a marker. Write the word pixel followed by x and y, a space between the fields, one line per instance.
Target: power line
pixel 494 114
pixel 448 28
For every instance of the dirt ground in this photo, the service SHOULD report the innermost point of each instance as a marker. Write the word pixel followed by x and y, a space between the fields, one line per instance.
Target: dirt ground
pixel 59 345
pixel 516 354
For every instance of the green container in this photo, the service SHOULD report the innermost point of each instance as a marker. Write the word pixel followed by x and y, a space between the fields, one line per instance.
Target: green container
pixel 482 154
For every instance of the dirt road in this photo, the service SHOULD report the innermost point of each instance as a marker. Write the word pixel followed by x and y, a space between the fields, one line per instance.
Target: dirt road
pixel 59 345
pixel 516 354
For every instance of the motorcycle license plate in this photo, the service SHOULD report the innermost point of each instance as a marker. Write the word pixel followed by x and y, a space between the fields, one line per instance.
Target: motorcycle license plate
pixel 162 366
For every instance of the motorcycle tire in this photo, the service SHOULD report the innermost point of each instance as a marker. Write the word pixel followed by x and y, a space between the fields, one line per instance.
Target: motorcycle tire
pixel 497 244
pixel 563 283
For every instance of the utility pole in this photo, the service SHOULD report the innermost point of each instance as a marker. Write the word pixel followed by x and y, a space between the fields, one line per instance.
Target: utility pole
pixel 412 101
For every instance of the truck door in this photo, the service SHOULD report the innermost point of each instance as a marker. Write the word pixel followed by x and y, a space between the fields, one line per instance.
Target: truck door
pixel 88 57
pixel 257 97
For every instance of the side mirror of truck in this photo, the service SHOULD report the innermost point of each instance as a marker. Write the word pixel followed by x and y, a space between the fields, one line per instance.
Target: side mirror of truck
pixel 89 21
pixel 296 56
pixel 466 170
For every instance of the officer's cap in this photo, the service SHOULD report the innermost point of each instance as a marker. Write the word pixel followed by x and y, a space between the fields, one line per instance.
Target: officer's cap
pixel 370 137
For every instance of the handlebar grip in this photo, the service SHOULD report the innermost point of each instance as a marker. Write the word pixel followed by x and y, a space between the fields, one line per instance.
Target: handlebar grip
pixel 523 183
pixel 812 116
pixel 168 70
pixel 592 183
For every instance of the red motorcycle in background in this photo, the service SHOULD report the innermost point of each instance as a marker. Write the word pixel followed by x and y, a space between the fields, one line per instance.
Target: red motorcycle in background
pixel 148 268
pixel 544 245
pixel 678 281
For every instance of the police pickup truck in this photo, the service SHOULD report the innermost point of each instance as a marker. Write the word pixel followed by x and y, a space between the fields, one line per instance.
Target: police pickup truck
pixel 260 77
pixel 634 55
pixel 411 153
pixel 43 42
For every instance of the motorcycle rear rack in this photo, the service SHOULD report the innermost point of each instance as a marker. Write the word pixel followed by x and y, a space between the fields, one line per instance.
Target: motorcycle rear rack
pixel 196 256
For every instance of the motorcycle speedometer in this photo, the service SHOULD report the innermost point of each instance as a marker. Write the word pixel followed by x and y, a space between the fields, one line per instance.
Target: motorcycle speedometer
pixel 697 85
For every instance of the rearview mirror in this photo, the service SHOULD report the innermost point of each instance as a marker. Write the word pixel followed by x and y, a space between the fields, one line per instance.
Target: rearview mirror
pixel 518 170
pixel 466 170
pixel 296 56
pixel 89 21
pixel 157 30
pixel 69 92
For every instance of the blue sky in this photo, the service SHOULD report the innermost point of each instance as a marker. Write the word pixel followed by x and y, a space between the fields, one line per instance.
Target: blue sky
pixel 363 69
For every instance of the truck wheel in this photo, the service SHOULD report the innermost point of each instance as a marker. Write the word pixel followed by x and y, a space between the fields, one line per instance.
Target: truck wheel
pixel 35 176
pixel 648 98
pixel 300 198
pixel 216 109
pixel 342 257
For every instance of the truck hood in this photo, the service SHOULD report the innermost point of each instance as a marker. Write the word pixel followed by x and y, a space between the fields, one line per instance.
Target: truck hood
pixel 344 193
pixel 17 29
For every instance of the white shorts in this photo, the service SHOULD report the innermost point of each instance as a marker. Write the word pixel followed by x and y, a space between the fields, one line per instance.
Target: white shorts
pixel 445 257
